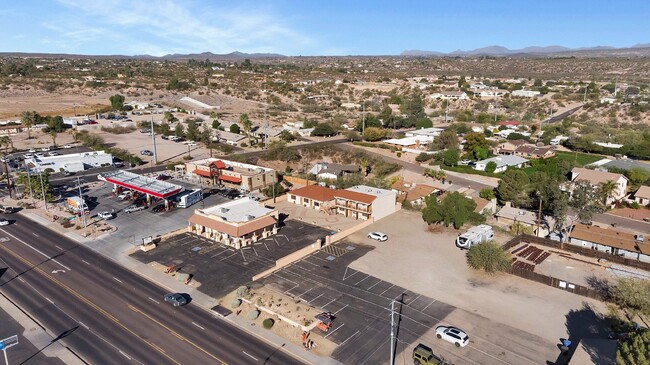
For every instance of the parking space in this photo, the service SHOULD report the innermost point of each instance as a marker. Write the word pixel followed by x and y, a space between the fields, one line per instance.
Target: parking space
pixel 362 306
pixel 221 269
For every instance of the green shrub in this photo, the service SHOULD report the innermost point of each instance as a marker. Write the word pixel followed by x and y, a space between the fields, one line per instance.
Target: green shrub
pixel 235 303
pixel 489 257
pixel 423 157
pixel 253 314
pixel 268 323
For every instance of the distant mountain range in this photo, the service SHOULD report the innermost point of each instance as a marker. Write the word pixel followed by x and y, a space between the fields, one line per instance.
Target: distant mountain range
pixel 535 50
pixel 233 56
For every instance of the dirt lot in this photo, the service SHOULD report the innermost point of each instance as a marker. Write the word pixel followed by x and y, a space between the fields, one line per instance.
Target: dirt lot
pixel 430 264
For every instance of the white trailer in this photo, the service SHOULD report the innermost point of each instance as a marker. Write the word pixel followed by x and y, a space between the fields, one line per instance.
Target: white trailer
pixel 189 198
pixel 475 235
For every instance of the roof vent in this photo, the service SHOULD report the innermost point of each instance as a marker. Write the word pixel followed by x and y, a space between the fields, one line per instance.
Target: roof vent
pixel 249 217
pixel 224 210
pixel 638 238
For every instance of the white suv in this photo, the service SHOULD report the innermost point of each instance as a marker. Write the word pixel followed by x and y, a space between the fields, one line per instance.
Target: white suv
pixel 379 236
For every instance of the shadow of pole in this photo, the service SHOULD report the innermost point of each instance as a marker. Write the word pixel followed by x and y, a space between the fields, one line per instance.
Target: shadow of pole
pixel 61 336
pixel 273 353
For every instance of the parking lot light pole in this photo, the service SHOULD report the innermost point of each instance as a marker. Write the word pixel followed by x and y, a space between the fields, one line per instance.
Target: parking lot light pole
pixel 29 182
pixel 40 175
pixel 83 210
pixel 392 332
pixel 153 140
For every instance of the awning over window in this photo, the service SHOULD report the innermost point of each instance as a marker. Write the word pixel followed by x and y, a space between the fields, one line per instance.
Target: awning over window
pixel 229 178
pixel 202 173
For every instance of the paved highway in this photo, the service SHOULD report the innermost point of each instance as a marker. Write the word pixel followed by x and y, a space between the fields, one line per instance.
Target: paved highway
pixel 108 314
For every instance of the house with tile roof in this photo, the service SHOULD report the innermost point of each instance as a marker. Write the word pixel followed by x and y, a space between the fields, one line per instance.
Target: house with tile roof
pixel 596 178
pixel 642 196
pixel 534 152
pixel 611 241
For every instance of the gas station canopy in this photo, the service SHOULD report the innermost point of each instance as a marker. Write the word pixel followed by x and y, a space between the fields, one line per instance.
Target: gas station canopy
pixel 143 184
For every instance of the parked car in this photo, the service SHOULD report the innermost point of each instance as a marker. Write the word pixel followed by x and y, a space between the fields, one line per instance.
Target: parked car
pixel 146 153
pixel 123 196
pixel 45 149
pixel 4 222
pixel 453 335
pixel 192 144
pixel 464 162
pixel 53 153
pixel 118 164
pixel 67 146
pixel 164 137
pixel 134 208
pixel 145 130
pixel 379 236
pixel 158 209
pixel 67 173
pixel 39 155
pixel 105 215
pixel 28 155
pixel 163 177
pixel 175 299
pixel 31 150
pixel 423 355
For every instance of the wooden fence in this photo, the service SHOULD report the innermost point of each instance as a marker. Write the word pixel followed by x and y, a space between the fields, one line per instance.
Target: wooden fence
pixel 555 282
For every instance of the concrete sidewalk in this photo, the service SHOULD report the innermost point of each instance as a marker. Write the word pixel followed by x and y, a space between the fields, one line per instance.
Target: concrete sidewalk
pixel 118 252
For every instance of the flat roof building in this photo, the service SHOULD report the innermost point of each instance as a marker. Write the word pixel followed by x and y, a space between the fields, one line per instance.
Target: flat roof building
pixel 238 223
pixel 74 162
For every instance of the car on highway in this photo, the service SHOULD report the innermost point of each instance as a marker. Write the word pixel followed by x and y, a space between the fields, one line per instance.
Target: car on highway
pixel 453 335
pixel 146 153
pixel 175 299
pixel 134 208
pixel 4 222
pixel 105 215
pixel 423 355
pixel 379 236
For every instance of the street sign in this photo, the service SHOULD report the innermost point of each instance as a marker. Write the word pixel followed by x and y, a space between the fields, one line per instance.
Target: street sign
pixel 8 342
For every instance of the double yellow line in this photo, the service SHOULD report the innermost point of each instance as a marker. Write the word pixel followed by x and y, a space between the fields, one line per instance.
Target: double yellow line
pixel 93 305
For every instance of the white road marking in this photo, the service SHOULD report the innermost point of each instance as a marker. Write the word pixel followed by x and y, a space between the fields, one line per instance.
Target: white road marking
pixel 84 325
pixel 389 288
pixel 346 340
pixel 423 309
pixel 49 300
pixel 36 249
pixel 249 355
pixel 125 355
pixel 341 308
pixel 116 279
pixel 85 262
pixel 57 271
pixel 373 285
pixel 34 234
pixel 59 247
pixel 316 298
pixel 328 303
pixel 334 330
pixel 153 300
pixel 198 326
pixel 358 282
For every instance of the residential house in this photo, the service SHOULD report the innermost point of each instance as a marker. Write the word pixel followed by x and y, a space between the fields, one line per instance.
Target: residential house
pixel 412 192
pixel 525 93
pixel 358 202
pixel 238 223
pixel 508 147
pixel 484 206
pixel 417 142
pixel 489 93
pixel 534 152
pixel 513 124
pixel 503 163
pixel 611 241
pixel 425 132
pixel 232 139
pixel 332 171
pixel 595 178
pixel 608 145
pixel 450 95
pixel 642 196
pixel 540 225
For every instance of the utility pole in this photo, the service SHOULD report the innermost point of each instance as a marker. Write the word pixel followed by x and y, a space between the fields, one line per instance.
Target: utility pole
pixel 83 209
pixel 446 112
pixel 153 140
pixel 29 182
pixel 363 117
pixel 266 130
pixel 273 189
pixel 539 214
pixel 40 175
pixel 392 332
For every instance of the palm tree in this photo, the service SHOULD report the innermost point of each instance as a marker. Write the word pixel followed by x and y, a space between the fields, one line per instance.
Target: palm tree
pixel 247 125
pixel 27 120
pixel 5 142
pixel 606 189
pixel 364 164
pixel 53 135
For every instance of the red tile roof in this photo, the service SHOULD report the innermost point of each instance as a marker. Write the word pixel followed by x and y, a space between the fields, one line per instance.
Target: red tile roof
pixel 202 173
pixel 315 192
pixel 353 195
pixel 230 229
pixel 218 164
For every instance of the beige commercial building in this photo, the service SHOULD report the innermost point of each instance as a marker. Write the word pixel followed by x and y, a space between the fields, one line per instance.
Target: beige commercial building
pixel 238 223
pixel 214 171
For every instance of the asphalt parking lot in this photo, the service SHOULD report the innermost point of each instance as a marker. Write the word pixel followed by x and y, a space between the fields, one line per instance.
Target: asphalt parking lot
pixel 361 304
pixel 221 269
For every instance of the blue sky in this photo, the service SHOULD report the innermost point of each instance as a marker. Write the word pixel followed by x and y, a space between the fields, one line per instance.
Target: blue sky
pixel 318 27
